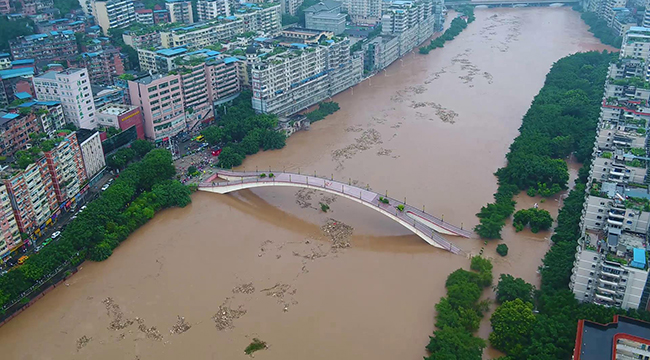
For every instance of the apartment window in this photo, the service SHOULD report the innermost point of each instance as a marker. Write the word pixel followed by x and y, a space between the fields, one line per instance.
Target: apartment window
pixel 595 257
pixel 600 210
pixel 174 82
pixel 591 273
pixel 630 215
pixel 593 266
pixel 597 224
pixel 599 217
pixel 152 88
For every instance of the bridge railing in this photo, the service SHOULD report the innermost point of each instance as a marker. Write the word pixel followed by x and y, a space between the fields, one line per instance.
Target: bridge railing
pixel 351 191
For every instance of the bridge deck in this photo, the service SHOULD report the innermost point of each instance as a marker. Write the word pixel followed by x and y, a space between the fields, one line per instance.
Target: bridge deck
pixel 419 219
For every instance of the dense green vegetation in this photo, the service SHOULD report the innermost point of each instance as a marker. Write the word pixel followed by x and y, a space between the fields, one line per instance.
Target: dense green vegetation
pixel 132 54
pixel 288 19
pixel 142 189
pixel 457 26
pixel 122 157
pixel 324 109
pixel 539 219
pixel 510 288
pixel 502 249
pixel 599 28
pixel 459 314
pixel 241 132
pixel 254 346
pixel 65 6
pixel 11 29
pixel 561 120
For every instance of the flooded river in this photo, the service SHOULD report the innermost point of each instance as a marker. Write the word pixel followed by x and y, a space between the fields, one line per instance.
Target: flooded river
pixel 431 129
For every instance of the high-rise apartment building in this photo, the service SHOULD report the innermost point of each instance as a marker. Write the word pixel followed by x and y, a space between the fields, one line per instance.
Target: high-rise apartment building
pixel 14 131
pixel 211 9
pixel 32 196
pixel 9 232
pixel 160 99
pixel 49 115
pixel 66 168
pixel 611 267
pixel 91 151
pixel 180 11
pixel 72 88
pixel 111 14
pixel 363 11
pixel 622 339
pixel 254 17
pixel 297 75
pixel 291 6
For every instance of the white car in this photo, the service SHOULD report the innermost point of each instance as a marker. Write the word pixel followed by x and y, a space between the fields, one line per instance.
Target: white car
pixel 56 235
pixel 83 207
pixel 105 187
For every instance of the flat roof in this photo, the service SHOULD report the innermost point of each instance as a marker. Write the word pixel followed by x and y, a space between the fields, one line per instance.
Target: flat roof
pixel 597 341
pixel 115 109
pixel 23 95
pixel 172 51
pixel 12 73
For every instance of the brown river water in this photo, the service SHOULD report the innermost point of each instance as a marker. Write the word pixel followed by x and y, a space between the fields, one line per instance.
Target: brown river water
pixel 431 129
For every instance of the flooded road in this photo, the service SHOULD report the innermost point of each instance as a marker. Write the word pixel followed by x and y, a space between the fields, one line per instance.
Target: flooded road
pixel 432 130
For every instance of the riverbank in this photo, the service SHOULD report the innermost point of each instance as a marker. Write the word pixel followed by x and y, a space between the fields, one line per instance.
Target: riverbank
pixel 389 135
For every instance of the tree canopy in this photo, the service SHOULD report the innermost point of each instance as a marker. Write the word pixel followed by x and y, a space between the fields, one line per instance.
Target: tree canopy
pixel 561 120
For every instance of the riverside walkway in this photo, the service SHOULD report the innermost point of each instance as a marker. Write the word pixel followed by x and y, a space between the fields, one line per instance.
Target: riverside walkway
pixel 423 224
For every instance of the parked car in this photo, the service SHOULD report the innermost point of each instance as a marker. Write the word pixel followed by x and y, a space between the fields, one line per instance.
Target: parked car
pixel 47 241
pixel 56 234
pixel 105 187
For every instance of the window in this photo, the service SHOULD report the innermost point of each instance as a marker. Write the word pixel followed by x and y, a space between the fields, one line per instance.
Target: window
pixel 152 88
pixel 593 266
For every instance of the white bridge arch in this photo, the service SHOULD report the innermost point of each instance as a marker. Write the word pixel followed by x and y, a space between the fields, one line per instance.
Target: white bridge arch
pixel 425 225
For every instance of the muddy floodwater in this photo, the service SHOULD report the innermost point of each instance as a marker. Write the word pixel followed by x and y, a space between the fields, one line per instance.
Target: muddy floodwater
pixel 203 281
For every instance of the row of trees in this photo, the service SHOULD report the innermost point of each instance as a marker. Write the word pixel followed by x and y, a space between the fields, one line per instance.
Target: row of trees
pixel 549 332
pixel 599 28
pixel 123 156
pixel 459 314
pixel 561 120
pixel 456 27
pixel 539 219
pixel 324 109
pixel 142 188
pixel 241 132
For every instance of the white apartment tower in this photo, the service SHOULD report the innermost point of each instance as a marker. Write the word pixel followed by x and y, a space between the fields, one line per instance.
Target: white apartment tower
pixel 180 11
pixel 363 11
pixel 71 88
pixel 211 9
pixel 291 6
pixel 113 14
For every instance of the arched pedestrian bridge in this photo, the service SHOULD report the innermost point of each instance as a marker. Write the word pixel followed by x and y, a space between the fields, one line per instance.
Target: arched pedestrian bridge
pixel 425 225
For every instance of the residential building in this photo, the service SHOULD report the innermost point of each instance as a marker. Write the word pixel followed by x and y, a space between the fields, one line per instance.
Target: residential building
pixel 646 16
pixel 254 18
pixel 636 46
pixel 180 11
pixel 212 9
pixel 412 21
pixel 291 6
pixel 66 168
pixel 161 101
pixel 121 117
pixel 9 233
pixel 32 196
pixel 5 61
pixel 102 66
pixel 381 52
pixel 161 16
pixel 611 7
pixel 92 153
pixel 622 339
pixel 141 39
pixel 5 7
pixel 73 25
pixel 113 13
pixel 72 88
pixel 14 132
pixel 144 16
pixel 611 267
pixel 325 16
pixel 295 75
pixel 15 81
pixel 48 47
pixel 363 11
pixel 49 115
pixel 623 21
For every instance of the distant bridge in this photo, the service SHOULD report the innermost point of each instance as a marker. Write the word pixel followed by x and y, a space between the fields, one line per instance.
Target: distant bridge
pixel 510 3
pixel 425 225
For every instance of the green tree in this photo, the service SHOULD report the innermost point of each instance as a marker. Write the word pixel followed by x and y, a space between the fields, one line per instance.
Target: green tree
pixel 229 158
pixel 502 249
pixel 512 324
pixel 142 147
pixel 454 343
pixel 510 288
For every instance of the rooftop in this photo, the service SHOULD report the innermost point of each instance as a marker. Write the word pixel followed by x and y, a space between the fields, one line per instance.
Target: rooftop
pixel 598 341
pixel 12 73
pixel 115 109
